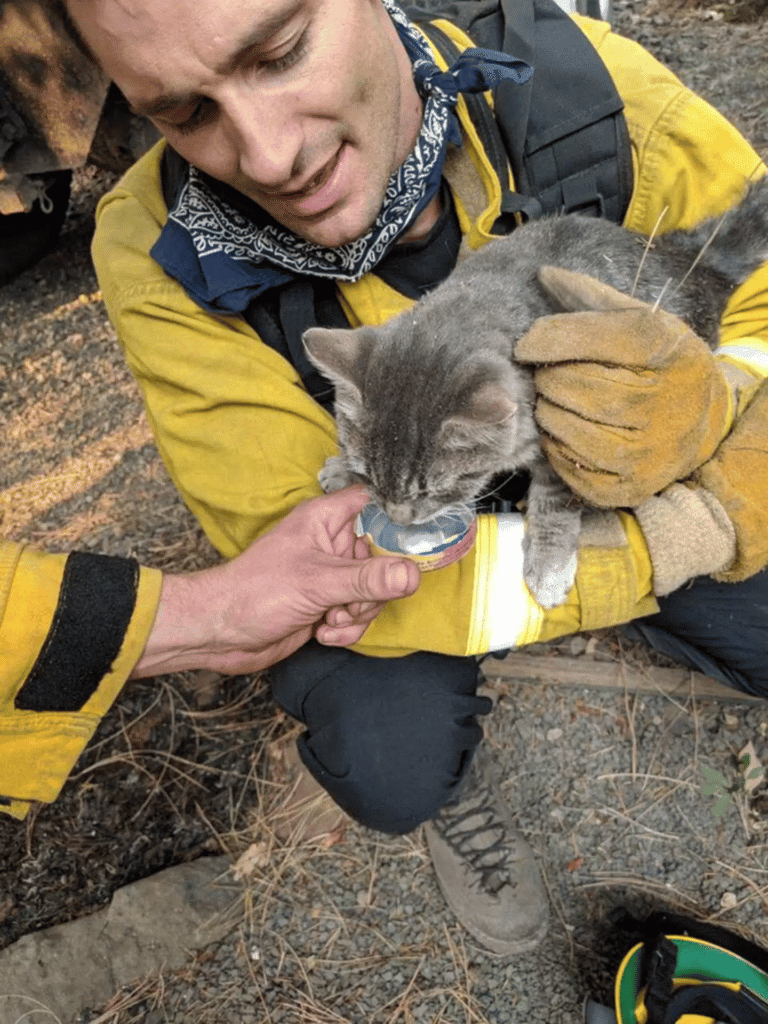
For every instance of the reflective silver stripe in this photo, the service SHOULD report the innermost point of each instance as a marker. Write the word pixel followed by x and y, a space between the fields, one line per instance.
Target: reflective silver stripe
pixel 755 357
pixel 514 615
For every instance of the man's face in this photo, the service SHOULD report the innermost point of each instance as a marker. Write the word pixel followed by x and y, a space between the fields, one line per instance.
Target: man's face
pixel 304 106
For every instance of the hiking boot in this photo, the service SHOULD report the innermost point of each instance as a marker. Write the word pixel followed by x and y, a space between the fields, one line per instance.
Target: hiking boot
pixel 486 870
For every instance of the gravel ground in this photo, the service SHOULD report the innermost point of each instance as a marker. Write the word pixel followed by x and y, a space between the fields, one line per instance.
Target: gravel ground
pixel 633 800
pixel 612 791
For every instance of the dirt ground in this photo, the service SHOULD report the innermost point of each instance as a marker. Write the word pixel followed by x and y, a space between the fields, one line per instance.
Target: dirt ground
pixel 176 769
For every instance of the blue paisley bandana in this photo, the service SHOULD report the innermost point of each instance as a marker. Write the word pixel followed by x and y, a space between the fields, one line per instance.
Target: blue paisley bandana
pixel 225 259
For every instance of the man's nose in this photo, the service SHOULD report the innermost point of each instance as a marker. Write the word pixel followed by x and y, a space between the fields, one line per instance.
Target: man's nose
pixel 267 138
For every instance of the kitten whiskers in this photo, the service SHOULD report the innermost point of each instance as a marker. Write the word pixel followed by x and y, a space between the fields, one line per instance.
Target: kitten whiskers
pixel 703 249
pixel 648 244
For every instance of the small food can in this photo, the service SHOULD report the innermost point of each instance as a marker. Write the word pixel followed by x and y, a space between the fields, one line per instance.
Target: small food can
pixel 430 545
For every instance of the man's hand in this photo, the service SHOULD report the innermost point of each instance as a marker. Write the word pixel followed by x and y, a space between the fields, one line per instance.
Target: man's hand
pixel 309 575
pixel 628 399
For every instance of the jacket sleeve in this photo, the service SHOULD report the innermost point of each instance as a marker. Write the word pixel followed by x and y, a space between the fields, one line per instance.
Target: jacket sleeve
pixel 72 627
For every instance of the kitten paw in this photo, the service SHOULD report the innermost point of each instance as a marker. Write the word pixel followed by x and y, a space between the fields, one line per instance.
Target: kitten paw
pixel 549 586
pixel 334 475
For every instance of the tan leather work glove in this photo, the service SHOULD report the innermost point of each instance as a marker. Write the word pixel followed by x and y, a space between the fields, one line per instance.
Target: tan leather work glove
pixel 717 522
pixel 629 399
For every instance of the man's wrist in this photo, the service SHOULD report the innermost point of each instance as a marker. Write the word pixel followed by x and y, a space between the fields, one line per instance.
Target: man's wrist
pixel 183 635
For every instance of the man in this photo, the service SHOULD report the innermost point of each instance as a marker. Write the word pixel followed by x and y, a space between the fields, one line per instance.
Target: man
pixel 74 628
pixel 321 168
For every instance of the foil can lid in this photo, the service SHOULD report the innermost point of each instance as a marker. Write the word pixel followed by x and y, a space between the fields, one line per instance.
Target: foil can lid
pixel 431 537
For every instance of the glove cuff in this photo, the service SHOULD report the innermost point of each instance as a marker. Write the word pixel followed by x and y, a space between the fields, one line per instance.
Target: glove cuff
pixel 688 534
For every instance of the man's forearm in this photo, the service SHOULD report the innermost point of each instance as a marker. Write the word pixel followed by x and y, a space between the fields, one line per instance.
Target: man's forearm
pixel 186 633
pixel 183 635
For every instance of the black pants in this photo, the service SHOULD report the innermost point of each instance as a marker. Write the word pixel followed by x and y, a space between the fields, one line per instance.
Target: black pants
pixel 720 629
pixel 389 738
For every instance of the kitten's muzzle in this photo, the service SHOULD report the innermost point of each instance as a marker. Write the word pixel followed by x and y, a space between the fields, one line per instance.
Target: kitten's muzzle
pixel 400 514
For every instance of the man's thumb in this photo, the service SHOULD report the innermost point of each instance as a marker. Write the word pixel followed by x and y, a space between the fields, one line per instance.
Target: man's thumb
pixel 385 579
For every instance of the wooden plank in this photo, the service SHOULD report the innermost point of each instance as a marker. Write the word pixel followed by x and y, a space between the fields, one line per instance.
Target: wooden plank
pixel 680 683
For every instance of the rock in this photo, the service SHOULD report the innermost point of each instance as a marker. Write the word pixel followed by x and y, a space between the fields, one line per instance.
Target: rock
pixel 148 925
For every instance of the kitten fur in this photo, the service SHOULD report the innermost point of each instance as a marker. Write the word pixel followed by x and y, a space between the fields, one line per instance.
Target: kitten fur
pixel 431 405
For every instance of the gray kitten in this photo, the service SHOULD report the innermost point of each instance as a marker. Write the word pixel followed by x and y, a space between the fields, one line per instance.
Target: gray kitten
pixel 431 405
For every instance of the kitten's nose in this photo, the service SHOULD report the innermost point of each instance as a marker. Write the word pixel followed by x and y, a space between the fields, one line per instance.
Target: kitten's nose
pixel 400 514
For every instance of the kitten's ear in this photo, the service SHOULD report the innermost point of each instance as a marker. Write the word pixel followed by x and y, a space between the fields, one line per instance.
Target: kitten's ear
pixel 336 352
pixel 490 406
pixel 575 292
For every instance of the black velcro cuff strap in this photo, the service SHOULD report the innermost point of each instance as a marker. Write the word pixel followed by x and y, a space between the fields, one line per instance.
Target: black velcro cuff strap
pixel 96 603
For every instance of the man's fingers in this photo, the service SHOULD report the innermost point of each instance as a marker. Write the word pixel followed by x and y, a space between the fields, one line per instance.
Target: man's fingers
pixel 361 549
pixel 341 636
pixel 336 617
pixel 386 579
pixel 336 510
pixel 611 396
pixel 364 609
pixel 358 611
pixel 369 582
pixel 356 591
pixel 633 337
pixel 574 292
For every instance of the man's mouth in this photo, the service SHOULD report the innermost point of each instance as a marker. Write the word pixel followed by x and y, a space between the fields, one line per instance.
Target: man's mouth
pixel 322 191
pixel 317 182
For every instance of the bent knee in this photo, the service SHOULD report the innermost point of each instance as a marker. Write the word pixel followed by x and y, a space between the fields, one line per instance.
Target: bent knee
pixel 386 737
pixel 391 788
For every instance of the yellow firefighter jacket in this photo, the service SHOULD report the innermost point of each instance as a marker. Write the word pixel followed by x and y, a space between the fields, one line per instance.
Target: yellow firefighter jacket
pixel 243 441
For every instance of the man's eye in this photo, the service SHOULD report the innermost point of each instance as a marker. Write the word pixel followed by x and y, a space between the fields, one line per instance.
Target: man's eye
pixel 271 66
pixel 198 115
pixel 287 60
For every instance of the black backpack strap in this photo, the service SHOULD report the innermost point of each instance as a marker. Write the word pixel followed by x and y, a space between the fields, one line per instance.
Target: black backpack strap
pixel 577 151
pixel 563 130
pixel 281 316
pixel 493 144
pixel 659 960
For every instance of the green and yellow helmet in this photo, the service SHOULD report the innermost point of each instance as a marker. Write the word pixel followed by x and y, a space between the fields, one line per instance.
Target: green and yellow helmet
pixel 677 979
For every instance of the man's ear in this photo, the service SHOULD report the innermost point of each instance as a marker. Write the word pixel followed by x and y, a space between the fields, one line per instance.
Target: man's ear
pixel 577 292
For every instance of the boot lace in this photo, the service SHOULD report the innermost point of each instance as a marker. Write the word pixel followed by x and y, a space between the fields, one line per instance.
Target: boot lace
pixel 474 830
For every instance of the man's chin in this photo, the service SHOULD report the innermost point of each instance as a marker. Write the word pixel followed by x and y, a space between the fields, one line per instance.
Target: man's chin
pixel 341 224
pixel 332 236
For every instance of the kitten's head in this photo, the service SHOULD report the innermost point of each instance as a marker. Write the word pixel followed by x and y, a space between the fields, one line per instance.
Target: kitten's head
pixel 424 425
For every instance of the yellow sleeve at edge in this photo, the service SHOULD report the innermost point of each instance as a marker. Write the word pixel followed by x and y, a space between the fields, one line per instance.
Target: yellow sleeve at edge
pixel 39 749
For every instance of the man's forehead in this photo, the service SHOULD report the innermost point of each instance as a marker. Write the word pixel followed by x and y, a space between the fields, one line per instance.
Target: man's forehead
pixel 137 40
pixel 221 27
